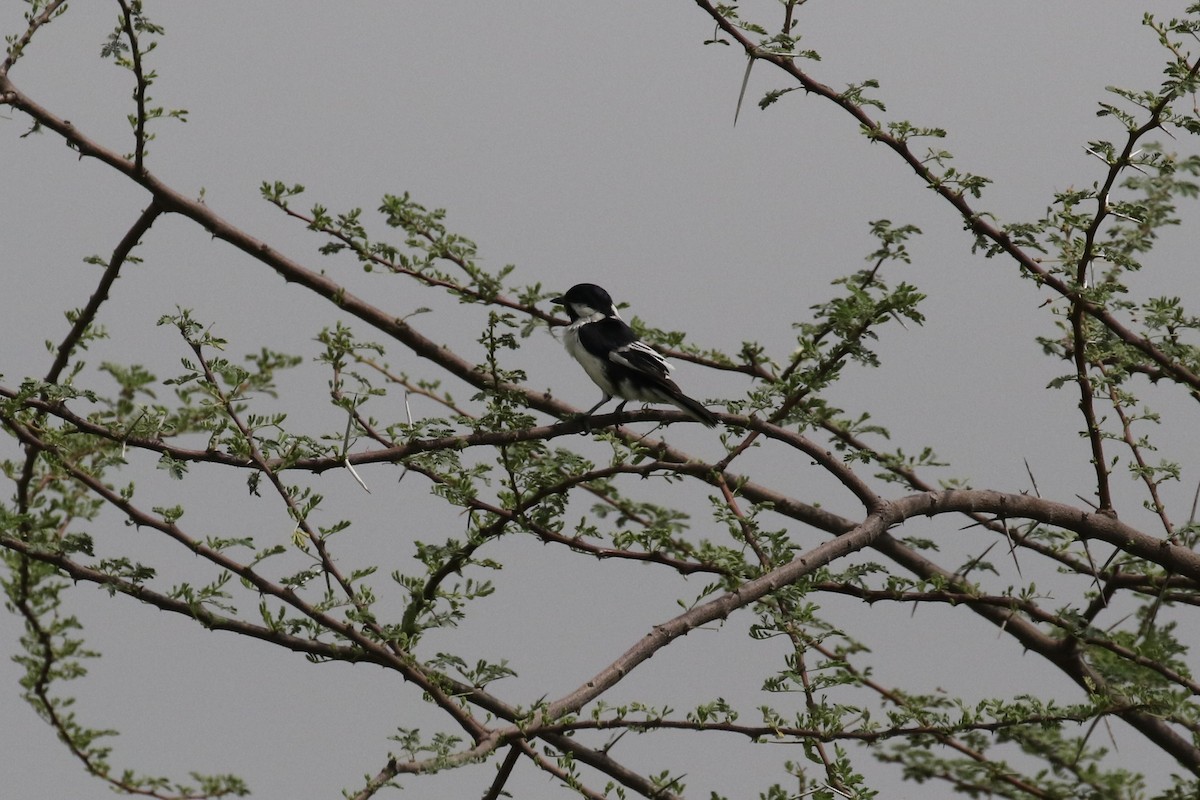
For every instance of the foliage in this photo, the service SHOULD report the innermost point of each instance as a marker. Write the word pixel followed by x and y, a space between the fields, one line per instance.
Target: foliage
pixel 507 456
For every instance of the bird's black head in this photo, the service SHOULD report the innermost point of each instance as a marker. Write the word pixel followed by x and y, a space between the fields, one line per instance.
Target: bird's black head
pixel 586 300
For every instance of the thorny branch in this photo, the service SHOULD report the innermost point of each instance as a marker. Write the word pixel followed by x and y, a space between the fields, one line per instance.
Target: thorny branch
pixel 880 515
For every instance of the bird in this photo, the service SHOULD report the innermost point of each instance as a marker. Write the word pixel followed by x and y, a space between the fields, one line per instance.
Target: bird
pixel 613 356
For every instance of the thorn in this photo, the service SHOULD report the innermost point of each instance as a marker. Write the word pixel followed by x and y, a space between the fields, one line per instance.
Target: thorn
pixel 354 472
pixel 742 93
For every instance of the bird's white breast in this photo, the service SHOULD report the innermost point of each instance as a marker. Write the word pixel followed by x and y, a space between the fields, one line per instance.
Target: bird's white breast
pixel 592 365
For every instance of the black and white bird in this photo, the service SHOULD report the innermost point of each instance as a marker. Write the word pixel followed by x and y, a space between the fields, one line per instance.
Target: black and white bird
pixel 613 356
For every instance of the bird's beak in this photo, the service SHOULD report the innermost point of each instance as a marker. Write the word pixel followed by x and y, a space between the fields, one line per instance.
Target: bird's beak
pixel 558 301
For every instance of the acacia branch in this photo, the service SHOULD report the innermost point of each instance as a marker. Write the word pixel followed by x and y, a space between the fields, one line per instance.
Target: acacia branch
pixel 1144 471
pixel 1170 556
pixel 403 664
pixel 775 733
pixel 785 613
pixel 975 221
pixel 260 463
pixel 851 538
pixel 200 613
pixel 67 346
pixel 139 90
pixel 1088 409
pixel 490 297
pixel 87 315
pixel 749 592
pixel 17 48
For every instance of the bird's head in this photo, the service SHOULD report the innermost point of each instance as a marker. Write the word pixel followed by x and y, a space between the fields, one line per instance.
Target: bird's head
pixel 585 300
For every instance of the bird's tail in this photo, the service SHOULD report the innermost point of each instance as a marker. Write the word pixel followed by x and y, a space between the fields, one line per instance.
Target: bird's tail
pixel 693 409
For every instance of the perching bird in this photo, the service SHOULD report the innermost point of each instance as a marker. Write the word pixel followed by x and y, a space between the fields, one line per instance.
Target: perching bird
pixel 613 356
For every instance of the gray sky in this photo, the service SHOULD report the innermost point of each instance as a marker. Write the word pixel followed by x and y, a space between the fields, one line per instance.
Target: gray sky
pixel 578 141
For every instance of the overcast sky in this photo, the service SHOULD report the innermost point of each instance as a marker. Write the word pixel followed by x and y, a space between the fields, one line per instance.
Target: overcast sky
pixel 579 142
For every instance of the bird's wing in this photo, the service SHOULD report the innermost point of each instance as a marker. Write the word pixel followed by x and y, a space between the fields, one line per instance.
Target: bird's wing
pixel 613 340
pixel 643 358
